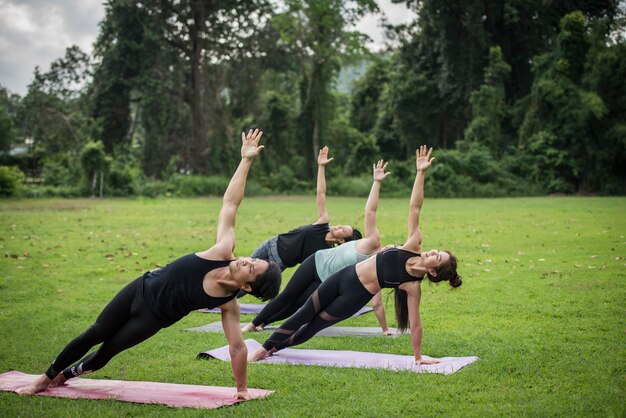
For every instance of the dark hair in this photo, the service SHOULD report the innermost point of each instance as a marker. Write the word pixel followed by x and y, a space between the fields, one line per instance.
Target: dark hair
pixel 267 285
pixel 447 272
pixel 402 309
pixel 356 234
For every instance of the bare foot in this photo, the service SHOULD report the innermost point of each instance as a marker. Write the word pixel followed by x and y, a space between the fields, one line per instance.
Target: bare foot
pixel 39 385
pixel 58 381
pixel 259 354
pixel 248 328
pixel 260 328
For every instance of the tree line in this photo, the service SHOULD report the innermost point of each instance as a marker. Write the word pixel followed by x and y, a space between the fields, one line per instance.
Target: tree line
pixel 517 97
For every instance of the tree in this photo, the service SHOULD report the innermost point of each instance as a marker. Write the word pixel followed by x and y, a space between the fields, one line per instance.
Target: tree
pixel 488 105
pixel 560 113
pixel 53 111
pixel 316 31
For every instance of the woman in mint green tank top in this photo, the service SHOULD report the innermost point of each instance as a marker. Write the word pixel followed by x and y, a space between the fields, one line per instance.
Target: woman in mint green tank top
pixel 322 264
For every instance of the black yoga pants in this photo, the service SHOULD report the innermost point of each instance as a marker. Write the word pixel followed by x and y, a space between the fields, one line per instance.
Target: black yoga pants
pixel 124 322
pixel 338 298
pixel 301 285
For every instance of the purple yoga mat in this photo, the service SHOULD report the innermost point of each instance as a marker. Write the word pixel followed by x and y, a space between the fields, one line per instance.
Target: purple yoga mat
pixel 170 394
pixel 334 331
pixel 358 359
pixel 255 308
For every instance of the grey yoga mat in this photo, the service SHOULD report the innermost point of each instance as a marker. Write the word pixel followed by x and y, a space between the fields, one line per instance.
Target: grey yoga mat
pixel 334 331
pixel 255 308
pixel 358 359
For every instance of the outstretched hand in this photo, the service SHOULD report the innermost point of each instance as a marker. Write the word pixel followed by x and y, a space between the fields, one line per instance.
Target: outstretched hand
pixel 322 158
pixel 379 170
pixel 422 159
pixel 250 144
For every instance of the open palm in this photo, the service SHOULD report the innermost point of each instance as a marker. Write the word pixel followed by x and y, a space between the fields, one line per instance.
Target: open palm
pixel 250 144
pixel 422 158
pixel 379 170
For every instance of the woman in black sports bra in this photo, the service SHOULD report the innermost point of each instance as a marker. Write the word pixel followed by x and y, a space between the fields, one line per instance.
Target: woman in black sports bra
pixel 345 292
pixel 159 298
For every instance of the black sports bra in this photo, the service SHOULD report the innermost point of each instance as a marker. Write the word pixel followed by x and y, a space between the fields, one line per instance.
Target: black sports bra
pixel 391 270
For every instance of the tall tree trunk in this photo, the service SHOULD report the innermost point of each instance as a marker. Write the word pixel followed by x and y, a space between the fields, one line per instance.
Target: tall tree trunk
pixel 198 148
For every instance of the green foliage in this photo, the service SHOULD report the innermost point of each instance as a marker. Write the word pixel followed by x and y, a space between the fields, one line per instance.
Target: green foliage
pixel 488 105
pixel 10 179
pixel 536 85
pixel 284 181
pixel 363 154
pixel 7 131
pixel 121 179
pixel 192 185
pixel 471 170
pixel 92 158
pixel 61 170
pixel 563 113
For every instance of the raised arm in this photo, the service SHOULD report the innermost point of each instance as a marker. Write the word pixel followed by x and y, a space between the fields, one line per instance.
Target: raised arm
pixel 236 346
pixel 322 160
pixel 371 242
pixel 422 162
pixel 225 242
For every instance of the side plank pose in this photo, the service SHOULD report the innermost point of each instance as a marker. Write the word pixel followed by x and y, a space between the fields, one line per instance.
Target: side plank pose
pixel 295 246
pixel 162 297
pixel 346 291
pixel 320 266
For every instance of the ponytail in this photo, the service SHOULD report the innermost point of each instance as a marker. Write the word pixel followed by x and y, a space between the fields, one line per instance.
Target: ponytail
pixel 402 309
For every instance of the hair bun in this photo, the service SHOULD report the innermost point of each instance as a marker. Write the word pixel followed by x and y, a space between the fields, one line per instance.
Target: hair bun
pixel 456 281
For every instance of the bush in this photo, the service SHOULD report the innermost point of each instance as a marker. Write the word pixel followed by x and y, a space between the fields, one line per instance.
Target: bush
pixel 193 185
pixel 350 186
pixel 10 180
pixel 121 180
pixel 60 170
pixel 153 188
pixel 285 181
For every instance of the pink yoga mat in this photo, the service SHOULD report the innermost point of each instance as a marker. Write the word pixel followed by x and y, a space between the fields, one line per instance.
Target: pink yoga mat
pixel 170 394
pixel 340 358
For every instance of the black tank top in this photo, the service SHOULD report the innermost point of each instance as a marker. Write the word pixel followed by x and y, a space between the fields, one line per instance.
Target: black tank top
pixel 173 291
pixel 391 270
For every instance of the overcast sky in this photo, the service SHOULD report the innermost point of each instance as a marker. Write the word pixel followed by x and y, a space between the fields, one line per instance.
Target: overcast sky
pixel 36 32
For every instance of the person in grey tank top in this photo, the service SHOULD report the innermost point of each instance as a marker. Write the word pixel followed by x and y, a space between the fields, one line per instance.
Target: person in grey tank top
pixel 323 263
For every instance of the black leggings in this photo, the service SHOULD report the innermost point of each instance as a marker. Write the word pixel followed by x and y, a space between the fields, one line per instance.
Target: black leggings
pixel 124 322
pixel 301 285
pixel 338 298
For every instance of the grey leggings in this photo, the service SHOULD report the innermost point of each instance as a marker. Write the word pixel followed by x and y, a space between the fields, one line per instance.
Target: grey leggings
pixel 337 298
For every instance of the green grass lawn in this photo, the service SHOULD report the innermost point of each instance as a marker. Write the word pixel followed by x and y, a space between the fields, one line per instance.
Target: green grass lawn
pixel 542 305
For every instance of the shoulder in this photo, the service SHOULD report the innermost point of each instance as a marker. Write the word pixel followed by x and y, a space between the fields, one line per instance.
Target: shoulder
pixel 217 253
pixel 230 306
pixel 412 288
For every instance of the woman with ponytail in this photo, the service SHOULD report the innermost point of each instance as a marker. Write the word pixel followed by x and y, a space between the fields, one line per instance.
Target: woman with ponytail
pixel 402 268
